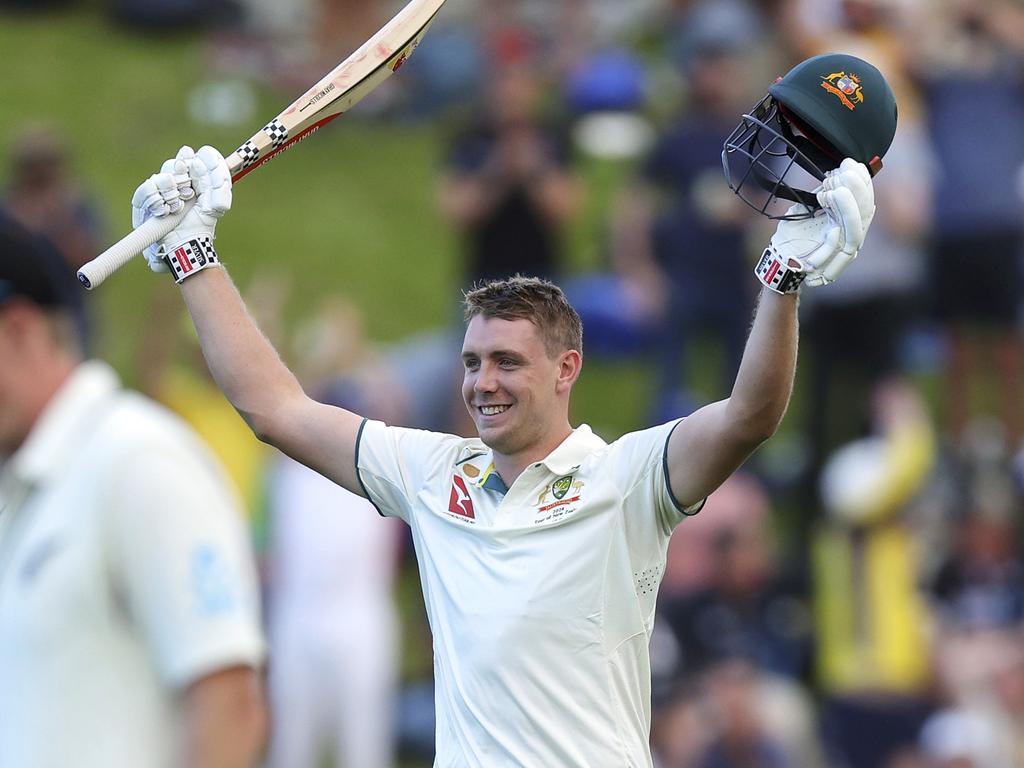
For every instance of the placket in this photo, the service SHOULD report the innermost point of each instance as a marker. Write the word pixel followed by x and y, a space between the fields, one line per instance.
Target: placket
pixel 522 497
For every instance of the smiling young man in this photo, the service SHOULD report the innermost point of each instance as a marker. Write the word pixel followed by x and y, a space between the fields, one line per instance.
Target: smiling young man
pixel 540 546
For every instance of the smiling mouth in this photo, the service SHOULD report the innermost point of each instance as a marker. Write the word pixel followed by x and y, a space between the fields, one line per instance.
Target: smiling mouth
pixel 493 410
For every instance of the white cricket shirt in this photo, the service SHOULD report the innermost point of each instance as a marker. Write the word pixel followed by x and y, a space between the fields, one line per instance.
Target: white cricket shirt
pixel 541 599
pixel 124 576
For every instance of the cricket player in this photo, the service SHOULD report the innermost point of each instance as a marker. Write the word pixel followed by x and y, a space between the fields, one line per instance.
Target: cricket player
pixel 540 546
pixel 129 633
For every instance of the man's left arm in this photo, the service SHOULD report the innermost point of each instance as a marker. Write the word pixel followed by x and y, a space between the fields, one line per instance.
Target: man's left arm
pixel 714 441
pixel 180 559
pixel 225 719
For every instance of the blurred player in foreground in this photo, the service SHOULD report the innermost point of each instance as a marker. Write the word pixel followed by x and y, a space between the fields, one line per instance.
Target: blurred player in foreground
pixel 540 546
pixel 129 632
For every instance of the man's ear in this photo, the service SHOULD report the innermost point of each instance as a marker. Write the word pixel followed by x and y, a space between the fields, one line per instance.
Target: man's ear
pixel 569 366
pixel 20 319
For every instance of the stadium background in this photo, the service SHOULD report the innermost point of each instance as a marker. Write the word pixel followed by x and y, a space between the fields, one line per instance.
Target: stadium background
pixel 355 210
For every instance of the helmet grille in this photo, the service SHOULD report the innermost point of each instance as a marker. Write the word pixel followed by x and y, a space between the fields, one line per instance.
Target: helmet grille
pixel 767 154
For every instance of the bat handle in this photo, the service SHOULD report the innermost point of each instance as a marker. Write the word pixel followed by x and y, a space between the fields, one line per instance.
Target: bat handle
pixel 135 242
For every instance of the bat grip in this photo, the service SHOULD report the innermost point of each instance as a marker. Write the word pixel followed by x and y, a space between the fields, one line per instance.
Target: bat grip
pixel 124 250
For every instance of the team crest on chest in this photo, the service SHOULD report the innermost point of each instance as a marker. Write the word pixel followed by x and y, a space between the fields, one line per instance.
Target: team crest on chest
pixel 566 492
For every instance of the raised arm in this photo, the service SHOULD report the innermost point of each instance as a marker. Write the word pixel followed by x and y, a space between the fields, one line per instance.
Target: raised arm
pixel 713 442
pixel 244 364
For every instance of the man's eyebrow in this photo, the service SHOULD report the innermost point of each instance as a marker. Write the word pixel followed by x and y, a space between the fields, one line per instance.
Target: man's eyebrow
pixel 493 354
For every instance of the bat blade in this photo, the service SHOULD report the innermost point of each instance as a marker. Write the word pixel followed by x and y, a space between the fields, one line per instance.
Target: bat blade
pixel 333 95
pixel 340 89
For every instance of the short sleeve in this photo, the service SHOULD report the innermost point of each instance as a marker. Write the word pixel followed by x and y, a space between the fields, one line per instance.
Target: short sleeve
pixel 395 463
pixel 640 460
pixel 181 558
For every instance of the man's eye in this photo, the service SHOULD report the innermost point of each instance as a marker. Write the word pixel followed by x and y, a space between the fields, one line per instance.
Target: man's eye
pixel 507 362
pixel 471 365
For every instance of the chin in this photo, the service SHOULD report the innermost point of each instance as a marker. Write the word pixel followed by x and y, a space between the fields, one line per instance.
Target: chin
pixel 495 438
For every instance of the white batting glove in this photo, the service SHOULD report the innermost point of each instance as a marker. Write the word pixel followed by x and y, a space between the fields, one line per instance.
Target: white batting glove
pixel 202 175
pixel 814 251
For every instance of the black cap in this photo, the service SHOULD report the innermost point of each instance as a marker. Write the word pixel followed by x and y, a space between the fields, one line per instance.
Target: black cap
pixel 31 268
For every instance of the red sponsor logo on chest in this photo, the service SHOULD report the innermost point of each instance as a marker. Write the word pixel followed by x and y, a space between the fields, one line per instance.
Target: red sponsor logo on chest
pixel 459 503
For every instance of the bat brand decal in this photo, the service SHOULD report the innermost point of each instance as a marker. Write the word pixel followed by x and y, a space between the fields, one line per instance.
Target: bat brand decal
pixel 459 503
pixel 404 55
pixel 845 86
pixel 319 95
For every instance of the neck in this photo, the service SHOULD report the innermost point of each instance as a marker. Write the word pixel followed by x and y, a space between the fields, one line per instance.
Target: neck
pixel 511 466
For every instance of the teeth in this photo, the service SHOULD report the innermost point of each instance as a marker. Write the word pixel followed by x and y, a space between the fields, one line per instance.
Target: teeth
pixel 493 410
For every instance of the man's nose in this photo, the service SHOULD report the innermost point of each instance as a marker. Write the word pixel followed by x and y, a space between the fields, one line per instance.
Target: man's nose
pixel 486 380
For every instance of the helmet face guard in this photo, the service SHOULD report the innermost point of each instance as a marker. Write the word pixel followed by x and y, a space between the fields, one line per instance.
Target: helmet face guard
pixel 759 157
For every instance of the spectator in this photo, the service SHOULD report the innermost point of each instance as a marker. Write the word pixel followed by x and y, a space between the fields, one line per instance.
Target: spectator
pixel 129 632
pixel 680 727
pixel 43 195
pixel 745 628
pixel 739 611
pixel 967 55
pixel 331 615
pixel 869 318
pixel 959 739
pixel 741 738
pixel 870 619
pixel 681 233
pixel 986 721
pixel 981 583
pixel 978 605
pixel 508 188
pixel 332 625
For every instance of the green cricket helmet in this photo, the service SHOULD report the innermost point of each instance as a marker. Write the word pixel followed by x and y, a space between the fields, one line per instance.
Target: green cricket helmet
pixel 826 108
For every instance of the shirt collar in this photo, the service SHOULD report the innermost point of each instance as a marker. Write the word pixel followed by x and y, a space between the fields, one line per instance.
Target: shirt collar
pixel 568 456
pixel 564 460
pixel 57 431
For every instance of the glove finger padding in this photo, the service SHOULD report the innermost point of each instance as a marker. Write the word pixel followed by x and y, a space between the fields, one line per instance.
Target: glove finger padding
pixel 156 196
pixel 842 207
pixel 144 194
pixel 841 261
pixel 178 167
pixel 855 177
pixel 212 181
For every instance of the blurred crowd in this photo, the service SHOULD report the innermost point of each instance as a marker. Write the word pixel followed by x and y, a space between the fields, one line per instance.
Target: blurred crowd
pixel 856 603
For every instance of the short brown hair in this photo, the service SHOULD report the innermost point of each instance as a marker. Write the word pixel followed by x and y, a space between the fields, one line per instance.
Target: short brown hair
pixel 529 298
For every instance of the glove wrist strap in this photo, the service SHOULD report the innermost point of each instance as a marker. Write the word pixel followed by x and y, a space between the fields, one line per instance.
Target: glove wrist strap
pixel 773 272
pixel 191 257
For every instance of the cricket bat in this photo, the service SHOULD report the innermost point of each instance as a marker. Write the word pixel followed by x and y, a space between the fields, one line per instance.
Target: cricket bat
pixel 333 95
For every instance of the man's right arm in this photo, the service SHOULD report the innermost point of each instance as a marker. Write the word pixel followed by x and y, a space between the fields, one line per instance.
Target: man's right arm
pixel 243 362
pixel 259 385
